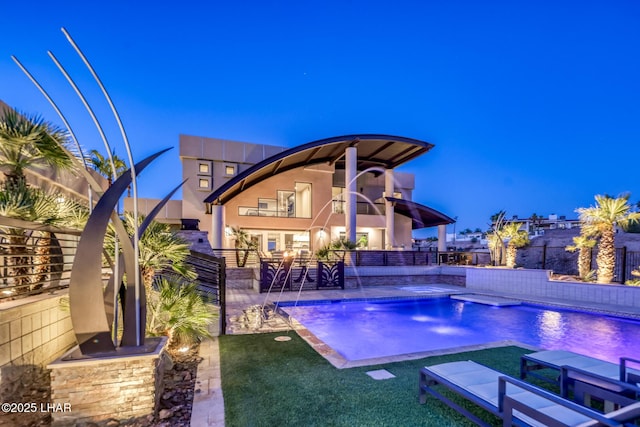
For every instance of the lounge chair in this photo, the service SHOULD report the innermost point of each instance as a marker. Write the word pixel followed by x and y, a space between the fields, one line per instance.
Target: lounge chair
pixel 585 384
pixel 513 400
pixel 555 359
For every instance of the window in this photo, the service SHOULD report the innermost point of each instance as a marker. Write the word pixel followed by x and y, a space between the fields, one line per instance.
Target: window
pixel 204 183
pixel 267 207
pixel 303 200
pixel 287 204
pixel 203 168
pixel 229 170
pixel 338 199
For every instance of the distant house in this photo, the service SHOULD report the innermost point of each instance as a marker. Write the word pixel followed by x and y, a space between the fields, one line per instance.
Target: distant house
pixel 537 226
pixel 301 198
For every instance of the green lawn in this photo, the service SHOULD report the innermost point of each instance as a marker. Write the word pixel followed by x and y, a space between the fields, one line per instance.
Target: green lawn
pixel 270 383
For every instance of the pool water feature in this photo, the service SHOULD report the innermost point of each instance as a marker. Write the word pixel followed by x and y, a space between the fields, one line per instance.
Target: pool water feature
pixel 372 329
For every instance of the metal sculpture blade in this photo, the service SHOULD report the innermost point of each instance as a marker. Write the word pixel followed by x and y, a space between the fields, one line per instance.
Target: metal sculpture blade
pixel 86 296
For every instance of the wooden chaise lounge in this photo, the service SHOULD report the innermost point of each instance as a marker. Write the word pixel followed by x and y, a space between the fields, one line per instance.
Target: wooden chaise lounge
pixel 514 401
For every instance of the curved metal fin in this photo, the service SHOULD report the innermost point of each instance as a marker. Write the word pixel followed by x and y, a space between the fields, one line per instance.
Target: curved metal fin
pixel 86 296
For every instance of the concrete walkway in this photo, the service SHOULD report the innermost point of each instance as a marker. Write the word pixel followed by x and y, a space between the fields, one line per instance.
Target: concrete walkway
pixel 208 403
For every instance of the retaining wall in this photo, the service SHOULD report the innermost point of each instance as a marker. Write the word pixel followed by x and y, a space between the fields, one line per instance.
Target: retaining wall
pixel 538 284
pixel 403 276
pixel 33 332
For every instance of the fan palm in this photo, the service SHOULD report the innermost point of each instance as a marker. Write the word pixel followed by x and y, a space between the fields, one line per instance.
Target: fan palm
pixel 102 165
pixel 160 249
pixel 177 309
pixel 517 238
pixel 495 237
pixel 600 220
pixel 26 142
pixel 16 201
pixel 30 142
pixel 243 244
pixel 59 211
pixel 583 243
pixel 32 204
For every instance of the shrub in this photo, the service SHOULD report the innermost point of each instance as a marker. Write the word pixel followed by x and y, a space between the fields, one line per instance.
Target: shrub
pixel 176 309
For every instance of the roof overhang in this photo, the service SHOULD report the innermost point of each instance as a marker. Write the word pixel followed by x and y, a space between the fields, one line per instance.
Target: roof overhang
pixel 421 216
pixel 374 152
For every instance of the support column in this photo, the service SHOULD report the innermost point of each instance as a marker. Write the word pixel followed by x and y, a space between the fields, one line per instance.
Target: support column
pixel 351 169
pixel 217 226
pixel 442 238
pixel 389 210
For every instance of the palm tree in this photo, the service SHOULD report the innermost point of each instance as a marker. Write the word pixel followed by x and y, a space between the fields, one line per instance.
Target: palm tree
pixel 159 249
pixel 600 220
pixel 517 238
pixel 30 142
pixel 495 238
pixel 56 210
pixel 496 247
pixel 174 306
pixel 26 142
pixel 177 310
pixel 583 243
pixel 243 245
pixel 32 204
pixel 102 165
pixel 16 201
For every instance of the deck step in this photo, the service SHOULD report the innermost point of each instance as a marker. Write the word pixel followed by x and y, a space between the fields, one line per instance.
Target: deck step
pixel 486 299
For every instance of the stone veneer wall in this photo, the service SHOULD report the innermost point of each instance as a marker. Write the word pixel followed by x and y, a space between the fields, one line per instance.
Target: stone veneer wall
pixel 33 332
pixel 537 284
pixel 198 240
pixel 243 277
pixel 404 276
pixel 107 388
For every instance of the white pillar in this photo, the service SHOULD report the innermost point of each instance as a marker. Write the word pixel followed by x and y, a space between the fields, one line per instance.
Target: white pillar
pixel 442 238
pixel 217 226
pixel 389 211
pixel 351 168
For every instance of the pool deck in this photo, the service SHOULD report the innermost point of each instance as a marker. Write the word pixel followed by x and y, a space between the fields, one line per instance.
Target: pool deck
pixel 208 404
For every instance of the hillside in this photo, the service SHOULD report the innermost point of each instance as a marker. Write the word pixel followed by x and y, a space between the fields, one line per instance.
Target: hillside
pixel 553 243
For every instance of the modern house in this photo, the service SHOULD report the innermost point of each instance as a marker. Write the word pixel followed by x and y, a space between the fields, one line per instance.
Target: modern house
pixel 537 225
pixel 301 198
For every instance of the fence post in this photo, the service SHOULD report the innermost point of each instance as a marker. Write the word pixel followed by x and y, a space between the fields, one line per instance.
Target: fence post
pixel 544 256
pixel 222 295
pixel 624 265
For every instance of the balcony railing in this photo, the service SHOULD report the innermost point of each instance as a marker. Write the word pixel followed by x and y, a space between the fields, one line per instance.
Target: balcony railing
pixel 362 208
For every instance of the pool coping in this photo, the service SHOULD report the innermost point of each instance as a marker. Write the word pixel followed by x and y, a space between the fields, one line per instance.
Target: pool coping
pixel 338 361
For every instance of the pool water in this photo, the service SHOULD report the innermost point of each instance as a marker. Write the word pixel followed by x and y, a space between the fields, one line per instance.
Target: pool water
pixel 364 330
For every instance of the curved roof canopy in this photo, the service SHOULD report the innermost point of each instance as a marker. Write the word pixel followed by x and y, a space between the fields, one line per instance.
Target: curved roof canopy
pixel 374 151
pixel 421 216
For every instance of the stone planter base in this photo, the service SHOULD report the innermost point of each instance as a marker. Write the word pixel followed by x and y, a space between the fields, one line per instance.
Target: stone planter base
pixel 120 386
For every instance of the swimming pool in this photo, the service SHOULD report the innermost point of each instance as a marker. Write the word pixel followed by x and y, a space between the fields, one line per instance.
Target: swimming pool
pixel 371 329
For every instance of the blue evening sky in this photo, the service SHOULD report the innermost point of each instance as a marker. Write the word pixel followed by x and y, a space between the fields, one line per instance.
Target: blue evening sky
pixel 533 106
